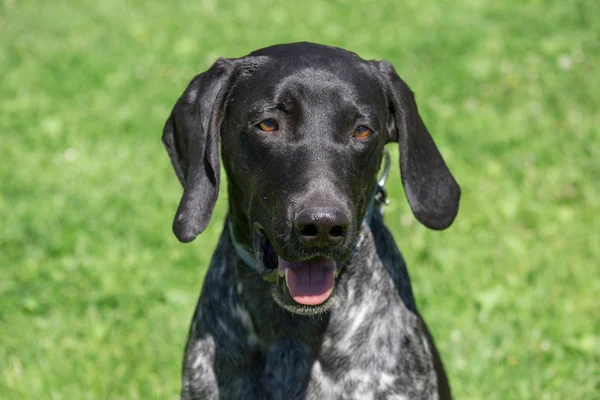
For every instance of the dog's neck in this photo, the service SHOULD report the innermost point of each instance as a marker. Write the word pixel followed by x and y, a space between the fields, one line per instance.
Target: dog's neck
pixel 268 323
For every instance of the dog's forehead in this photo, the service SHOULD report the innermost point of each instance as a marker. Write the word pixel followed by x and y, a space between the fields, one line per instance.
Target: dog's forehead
pixel 292 69
pixel 302 48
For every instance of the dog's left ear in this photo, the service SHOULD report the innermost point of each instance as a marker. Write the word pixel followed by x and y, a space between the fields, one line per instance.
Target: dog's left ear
pixel 191 137
pixel 430 188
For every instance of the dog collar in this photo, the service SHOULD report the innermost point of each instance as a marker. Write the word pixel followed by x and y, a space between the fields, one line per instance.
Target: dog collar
pixel 379 195
pixel 377 202
pixel 242 253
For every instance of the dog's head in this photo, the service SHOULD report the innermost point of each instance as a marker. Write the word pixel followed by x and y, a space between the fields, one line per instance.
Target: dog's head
pixel 302 129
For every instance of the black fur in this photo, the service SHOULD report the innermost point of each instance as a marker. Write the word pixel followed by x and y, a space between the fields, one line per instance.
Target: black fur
pixel 247 340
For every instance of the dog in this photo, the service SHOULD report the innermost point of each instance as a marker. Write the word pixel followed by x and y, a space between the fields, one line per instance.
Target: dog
pixel 307 295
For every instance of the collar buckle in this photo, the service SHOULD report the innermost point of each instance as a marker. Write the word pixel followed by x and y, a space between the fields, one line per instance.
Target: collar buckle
pixel 380 195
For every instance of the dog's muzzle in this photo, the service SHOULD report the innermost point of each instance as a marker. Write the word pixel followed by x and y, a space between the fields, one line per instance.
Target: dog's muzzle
pixel 308 282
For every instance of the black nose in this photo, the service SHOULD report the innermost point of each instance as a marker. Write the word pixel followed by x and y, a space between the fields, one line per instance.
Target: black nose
pixel 321 226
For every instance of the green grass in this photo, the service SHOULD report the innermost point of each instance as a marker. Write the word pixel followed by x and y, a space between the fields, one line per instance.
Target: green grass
pixel 96 294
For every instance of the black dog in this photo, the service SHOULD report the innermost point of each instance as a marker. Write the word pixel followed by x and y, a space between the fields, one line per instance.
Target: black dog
pixel 307 295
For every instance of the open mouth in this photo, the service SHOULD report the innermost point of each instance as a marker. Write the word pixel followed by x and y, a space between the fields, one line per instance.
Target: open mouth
pixel 308 283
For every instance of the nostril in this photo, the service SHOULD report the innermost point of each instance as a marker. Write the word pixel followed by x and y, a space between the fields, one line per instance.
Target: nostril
pixel 309 230
pixel 321 226
pixel 336 232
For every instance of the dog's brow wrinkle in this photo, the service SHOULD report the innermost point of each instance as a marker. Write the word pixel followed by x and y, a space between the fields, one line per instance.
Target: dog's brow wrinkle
pixel 252 64
pixel 263 108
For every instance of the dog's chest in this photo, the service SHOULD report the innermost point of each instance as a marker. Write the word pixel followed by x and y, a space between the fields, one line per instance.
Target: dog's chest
pixel 373 352
pixel 370 350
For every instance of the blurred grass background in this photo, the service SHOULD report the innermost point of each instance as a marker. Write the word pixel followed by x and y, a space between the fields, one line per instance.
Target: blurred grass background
pixel 96 294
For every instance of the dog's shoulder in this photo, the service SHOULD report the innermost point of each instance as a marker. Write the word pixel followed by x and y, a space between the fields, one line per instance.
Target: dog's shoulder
pixel 221 342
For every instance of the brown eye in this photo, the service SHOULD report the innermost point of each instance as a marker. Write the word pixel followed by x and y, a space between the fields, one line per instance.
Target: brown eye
pixel 362 132
pixel 267 125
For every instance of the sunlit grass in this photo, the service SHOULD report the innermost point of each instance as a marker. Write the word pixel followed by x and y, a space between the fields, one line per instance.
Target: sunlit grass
pixel 96 294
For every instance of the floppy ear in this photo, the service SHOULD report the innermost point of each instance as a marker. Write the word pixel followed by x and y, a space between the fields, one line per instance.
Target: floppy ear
pixel 191 137
pixel 430 188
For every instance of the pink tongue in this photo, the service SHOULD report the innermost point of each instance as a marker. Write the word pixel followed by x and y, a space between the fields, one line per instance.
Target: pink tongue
pixel 310 282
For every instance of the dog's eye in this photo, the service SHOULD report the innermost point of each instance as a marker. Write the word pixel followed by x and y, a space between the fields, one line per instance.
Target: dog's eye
pixel 267 125
pixel 362 132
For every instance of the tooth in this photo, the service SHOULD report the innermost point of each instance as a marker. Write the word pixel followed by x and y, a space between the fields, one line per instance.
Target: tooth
pixel 286 277
pixel 337 273
pixel 281 273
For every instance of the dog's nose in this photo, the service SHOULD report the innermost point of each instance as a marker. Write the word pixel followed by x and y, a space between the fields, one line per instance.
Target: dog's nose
pixel 321 226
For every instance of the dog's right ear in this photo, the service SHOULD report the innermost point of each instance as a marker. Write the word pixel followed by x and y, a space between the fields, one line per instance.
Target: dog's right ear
pixel 431 190
pixel 191 137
